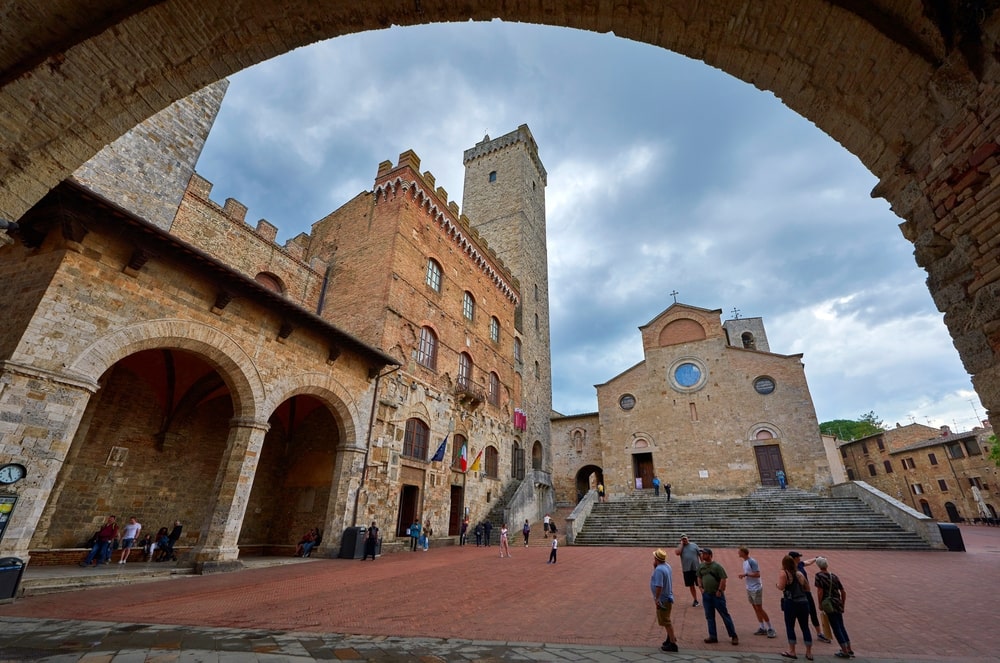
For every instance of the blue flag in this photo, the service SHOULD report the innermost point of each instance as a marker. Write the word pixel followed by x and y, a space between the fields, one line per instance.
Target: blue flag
pixel 439 455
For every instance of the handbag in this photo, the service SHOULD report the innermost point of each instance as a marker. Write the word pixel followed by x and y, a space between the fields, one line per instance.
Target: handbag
pixel 827 604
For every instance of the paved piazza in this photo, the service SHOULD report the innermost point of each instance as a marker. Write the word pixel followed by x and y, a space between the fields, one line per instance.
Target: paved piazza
pixel 456 603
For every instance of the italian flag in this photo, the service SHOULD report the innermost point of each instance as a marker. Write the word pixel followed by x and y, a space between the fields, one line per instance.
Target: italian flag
pixel 463 460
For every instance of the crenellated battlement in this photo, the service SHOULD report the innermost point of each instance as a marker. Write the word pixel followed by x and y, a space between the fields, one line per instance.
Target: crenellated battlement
pixel 236 212
pixel 405 179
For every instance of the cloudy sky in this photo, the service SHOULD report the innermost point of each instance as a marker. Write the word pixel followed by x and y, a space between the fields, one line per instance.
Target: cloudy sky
pixel 663 174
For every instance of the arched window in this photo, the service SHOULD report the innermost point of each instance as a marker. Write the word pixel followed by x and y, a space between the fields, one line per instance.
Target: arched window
pixel 871 470
pixel 764 434
pixel 415 439
pixel 748 341
pixel 433 278
pixel 536 455
pixel 517 349
pixel 493 176
pixel 271 282
pixel 427 352
pixel 464 370
pixel 469 306
pixel 538 372
pixel 456 451
pixel 494 329
pixel 494 393
pixel 492 462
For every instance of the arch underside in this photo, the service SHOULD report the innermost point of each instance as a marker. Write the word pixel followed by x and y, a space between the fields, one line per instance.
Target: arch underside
pixel 909 89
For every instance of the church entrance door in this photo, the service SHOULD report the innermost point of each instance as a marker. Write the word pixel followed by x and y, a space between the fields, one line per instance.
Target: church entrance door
pixel 768 462
pixel 643 467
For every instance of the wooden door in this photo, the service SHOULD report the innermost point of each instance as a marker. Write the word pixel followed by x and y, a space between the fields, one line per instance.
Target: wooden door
pixel 769 462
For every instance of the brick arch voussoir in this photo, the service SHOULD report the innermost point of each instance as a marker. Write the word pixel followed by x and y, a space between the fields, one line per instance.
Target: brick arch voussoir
pixel 334 395
pixel 233 363
pixel 798 49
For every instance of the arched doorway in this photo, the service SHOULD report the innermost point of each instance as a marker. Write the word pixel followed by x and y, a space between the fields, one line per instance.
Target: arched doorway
pixel 536 455
pixel 926 508
pixel 149 445
pixel 587 478
pixel 291 486
pixel 953 515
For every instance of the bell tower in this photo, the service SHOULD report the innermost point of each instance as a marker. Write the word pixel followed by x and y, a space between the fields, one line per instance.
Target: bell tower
pixel 504 199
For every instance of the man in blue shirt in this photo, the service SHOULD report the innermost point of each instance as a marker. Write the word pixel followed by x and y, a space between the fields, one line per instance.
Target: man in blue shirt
pixel 661 585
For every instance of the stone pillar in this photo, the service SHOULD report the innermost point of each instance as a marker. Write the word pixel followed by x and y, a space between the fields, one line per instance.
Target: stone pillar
pixel 39 415
pixel 342 507
pixel 217 550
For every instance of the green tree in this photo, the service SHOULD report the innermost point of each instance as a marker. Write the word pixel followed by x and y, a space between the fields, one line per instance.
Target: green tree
pixel 852 429
pixel 994 450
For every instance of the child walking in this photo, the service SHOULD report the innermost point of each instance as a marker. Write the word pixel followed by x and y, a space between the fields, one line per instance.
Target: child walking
pixel 555 548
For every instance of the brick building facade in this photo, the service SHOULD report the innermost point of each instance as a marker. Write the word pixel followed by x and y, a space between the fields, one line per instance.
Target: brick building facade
pixel 237 384
pixel 945 475
pixel 709 409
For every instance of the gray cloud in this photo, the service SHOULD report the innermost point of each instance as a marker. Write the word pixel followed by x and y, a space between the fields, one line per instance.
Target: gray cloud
pixel 664 174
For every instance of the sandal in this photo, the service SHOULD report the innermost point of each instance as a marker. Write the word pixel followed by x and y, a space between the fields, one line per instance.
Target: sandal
pixel 787 655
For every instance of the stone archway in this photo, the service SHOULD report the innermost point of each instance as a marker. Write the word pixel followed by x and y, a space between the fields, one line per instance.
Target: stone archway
pixel 910 90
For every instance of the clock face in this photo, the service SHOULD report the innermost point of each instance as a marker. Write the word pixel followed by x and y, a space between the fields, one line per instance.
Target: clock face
pixel 12 472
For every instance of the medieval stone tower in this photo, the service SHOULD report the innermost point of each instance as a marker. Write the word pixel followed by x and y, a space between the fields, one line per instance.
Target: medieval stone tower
pixel 504 197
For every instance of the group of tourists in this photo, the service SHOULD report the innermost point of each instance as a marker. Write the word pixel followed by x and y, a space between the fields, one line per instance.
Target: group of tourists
pixel 702 573
pixel 110 537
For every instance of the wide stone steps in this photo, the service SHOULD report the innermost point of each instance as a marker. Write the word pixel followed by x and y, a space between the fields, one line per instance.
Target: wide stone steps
pixel 766 519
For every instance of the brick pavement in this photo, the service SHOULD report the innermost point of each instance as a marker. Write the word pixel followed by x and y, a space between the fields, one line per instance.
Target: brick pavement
pixel 901 605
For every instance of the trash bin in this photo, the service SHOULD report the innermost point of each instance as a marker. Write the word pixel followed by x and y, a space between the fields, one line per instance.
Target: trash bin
pixel 952 537
pixel 352 546
pixel 11 570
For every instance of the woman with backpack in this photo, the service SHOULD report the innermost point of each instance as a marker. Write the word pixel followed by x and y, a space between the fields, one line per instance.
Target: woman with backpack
pixel 795 606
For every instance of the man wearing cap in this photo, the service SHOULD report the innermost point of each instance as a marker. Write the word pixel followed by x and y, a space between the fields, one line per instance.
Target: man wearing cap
pixel 661 585
pixel 688 552
pixel 712 580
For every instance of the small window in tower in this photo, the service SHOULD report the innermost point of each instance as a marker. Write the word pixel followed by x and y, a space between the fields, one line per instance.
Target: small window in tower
pixel 433 278
pixel 494 329
pixel 748 341
pixel 493 176
pixel 469 306
pixel 517 350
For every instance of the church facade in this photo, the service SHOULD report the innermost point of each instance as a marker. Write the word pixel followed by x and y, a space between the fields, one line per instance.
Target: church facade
pixel 710 410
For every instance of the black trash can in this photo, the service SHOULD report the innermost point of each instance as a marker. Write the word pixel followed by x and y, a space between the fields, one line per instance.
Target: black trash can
pixel 952 537
pixel 11 570
pixel 352 546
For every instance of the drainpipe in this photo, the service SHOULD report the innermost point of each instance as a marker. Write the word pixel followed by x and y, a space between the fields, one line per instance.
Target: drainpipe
pixel 368 443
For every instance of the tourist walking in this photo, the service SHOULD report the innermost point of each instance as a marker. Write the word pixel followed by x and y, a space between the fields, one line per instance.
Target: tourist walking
pixel 755 592
pixel 690 559
pixel 545 524
pixel 656 486
pixel 463 533
pixel 712 580
pixel 504 542
pixel 832 599
pixel 478 531
pixel 525 531
pixel 487 532
pixel 555 549
pixel 795 606
pixel 666 489
pixel 661 585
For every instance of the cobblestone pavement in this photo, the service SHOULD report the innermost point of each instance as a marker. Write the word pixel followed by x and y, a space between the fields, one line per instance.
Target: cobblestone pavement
pixel 469 604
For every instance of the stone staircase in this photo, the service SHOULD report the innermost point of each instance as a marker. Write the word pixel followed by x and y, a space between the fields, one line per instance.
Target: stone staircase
pixel 768 518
